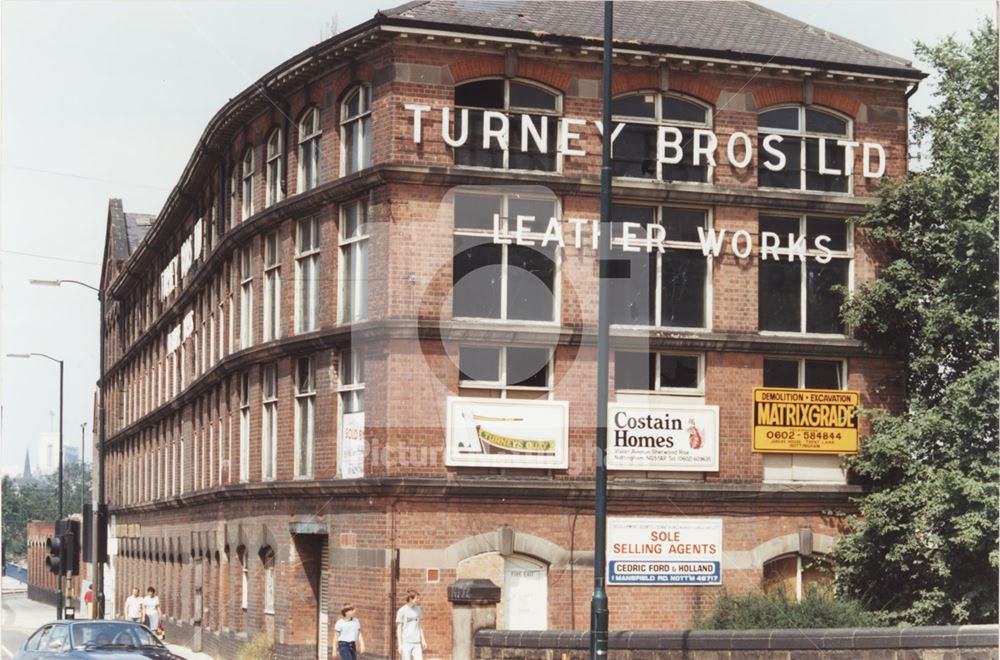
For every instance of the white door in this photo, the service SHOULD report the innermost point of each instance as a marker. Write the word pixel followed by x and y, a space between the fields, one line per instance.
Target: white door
pixel 525 595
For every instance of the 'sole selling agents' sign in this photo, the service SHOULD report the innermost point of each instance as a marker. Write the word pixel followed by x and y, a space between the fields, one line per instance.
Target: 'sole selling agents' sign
pixel 664 551
pixel 805 421
pixel 663 437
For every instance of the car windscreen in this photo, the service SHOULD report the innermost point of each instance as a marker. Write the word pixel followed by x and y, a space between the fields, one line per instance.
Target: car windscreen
pixel 112 633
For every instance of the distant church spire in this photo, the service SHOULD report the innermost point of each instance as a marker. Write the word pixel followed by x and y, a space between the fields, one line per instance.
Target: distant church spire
pixel 27 465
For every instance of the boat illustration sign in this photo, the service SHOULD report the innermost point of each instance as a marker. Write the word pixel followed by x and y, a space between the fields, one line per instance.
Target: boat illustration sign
pixel 507 433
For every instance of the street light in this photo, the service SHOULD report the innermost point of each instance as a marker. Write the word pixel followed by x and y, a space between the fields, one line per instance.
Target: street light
pixel 59 591
pixel 100 531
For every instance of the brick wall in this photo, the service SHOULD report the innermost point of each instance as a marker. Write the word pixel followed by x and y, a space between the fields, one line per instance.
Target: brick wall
pixel 960 643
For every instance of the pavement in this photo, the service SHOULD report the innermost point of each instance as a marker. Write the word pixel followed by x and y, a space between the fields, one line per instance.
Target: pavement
pixel 20 617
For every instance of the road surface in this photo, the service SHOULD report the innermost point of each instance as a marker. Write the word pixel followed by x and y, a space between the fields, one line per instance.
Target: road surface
pixel 20 617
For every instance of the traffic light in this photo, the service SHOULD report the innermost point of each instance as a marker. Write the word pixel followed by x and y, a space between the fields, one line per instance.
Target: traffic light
pixel 64 548
pixel 71 541
pixel 56 561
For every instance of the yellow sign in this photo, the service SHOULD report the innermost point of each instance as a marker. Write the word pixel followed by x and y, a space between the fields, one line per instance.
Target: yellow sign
pixel 805 421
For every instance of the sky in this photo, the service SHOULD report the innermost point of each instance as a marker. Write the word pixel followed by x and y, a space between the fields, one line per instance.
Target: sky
pixel 108 99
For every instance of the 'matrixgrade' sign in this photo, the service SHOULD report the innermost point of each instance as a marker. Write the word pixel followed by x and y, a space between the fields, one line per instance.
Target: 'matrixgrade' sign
pixel 670 146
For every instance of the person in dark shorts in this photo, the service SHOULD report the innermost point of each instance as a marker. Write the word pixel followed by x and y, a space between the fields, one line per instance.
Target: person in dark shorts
pixel 347 634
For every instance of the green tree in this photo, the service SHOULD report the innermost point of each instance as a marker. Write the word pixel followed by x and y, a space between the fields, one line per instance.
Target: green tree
pixel 924 548
pixel 38 499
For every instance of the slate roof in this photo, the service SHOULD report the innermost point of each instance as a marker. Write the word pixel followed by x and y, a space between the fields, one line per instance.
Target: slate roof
pixel 126 229
pixel 734 29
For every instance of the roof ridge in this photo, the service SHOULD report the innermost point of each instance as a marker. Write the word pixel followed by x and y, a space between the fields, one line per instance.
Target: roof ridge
pixel 831 35
pixel 400 9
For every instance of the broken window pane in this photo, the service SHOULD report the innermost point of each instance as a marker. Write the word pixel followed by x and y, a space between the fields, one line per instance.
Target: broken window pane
pixel 779 292
pixel 632 298
pixel 635 371
pixel 686 170
pixel 530 282
pixel 823 300
pixel 476 277
pixel 679 371
pixel 682 300
pixel 634 152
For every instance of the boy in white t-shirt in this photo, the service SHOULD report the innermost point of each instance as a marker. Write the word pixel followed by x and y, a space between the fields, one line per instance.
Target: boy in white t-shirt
pixel 347 634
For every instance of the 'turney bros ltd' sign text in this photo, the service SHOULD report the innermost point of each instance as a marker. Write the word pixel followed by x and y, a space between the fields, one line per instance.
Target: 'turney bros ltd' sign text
pixel 670 144
pixel 805 421
pixel 664 551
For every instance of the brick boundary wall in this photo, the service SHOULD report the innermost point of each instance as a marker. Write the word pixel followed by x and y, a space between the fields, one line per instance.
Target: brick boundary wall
pixel 953 642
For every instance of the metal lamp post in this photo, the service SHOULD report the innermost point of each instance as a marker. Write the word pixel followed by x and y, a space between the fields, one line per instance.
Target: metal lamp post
pixel 599 599
pixel 101 506
pixel 59 588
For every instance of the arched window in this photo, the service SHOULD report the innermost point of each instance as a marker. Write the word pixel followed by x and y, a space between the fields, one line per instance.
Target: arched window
pixel 802 135
pixel 247 189
pixel 274 172
pixel 795 574
pixel 267 562
pixel 355 130
pixel 309 150
pixel 530 131
pixel 634 152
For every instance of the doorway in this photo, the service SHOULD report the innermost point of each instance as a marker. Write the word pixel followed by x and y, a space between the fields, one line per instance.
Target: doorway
pixel 525 594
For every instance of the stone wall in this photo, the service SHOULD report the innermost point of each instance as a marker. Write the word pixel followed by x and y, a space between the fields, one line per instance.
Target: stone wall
pixel 939 643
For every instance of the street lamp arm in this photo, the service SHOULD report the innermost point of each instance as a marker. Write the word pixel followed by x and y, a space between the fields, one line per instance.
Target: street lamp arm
pixel 59 282
pixel 48 357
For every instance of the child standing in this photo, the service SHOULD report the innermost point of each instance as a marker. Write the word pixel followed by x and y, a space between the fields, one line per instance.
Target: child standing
pixel 347 634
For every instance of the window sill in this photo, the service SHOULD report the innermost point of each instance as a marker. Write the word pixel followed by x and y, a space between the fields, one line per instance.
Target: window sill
pixel 482 168
pixel 833 193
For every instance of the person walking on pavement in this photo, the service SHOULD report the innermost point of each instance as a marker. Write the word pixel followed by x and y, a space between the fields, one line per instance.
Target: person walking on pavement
pixel 347 635
pixel 134 606
pixel 409 630
pixel 88 602
pixel 151 608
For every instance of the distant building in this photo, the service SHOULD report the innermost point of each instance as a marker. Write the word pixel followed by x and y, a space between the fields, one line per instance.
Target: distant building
pixel 47 453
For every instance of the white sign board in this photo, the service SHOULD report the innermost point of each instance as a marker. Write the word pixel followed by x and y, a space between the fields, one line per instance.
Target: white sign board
pixel 666 437
pixel 664 551
pixel 353 451
pixel 507 433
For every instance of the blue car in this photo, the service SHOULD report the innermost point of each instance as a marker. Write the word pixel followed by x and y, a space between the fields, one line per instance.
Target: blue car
pixel 103 640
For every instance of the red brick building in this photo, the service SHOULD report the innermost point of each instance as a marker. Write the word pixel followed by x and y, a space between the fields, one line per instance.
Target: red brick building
pixel 42 583
pixel 354 354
